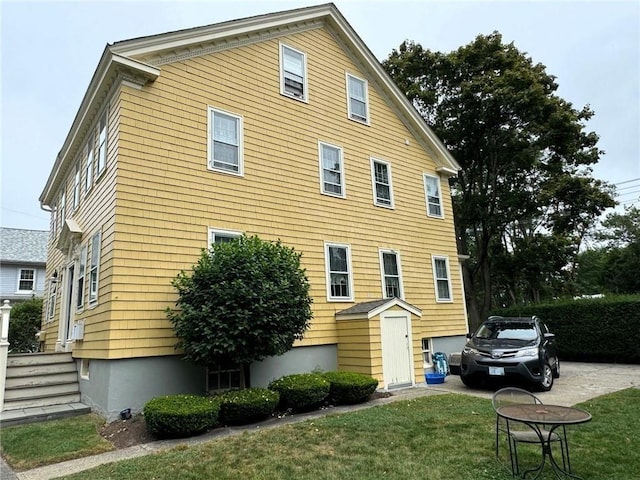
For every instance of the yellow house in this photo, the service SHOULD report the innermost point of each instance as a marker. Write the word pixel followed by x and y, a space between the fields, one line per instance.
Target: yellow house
pixel 283 126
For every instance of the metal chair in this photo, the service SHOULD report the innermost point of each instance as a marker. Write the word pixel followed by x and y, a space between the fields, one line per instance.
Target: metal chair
pixel 518 432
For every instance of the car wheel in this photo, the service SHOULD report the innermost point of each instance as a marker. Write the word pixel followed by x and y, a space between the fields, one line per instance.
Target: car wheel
pixel 556 371
pixel 547 378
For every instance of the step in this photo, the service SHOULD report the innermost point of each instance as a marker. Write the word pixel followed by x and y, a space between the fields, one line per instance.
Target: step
pixel 21 359
pixel 43 369
pixel 19 393
pixel 41 380
pixel 9 418
pixel 41 401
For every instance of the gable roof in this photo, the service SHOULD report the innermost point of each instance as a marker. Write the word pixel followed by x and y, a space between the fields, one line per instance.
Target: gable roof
pixel 23 246
pixel 375 307
pixel 139 59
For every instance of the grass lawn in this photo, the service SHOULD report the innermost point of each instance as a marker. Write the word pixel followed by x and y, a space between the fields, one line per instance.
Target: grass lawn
pixel 435 437
pixel 29 446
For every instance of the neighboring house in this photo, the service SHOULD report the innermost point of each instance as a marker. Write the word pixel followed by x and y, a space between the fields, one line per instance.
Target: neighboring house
pixel 283 126
pixel 23 256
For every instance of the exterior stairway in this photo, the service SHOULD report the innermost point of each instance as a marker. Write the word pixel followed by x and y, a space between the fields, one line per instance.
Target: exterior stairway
pixel 41 386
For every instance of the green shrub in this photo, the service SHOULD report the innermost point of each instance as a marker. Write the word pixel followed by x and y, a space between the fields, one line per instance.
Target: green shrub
pixel 347 388
pixel 177 416
pixel 247 406
pixel 25 322
pixel 301 392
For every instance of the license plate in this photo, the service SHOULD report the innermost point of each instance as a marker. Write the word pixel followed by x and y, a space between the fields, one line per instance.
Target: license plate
pixel 496 370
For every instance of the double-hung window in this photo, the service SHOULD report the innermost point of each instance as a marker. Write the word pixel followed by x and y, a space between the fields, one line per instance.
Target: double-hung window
pixel 293 73
pixel 442 278
pixel 62 216
pixel 26 280
pixel 222 236
pixel 225 142
pixel 94 267
pixel 82 269
pixel 102 146
pixel 88 169
pixel 331 170
pixel 338 268
pixel 76 187
pixel 433 195
pixel 381 182
pixel 358 104
pixel 391 274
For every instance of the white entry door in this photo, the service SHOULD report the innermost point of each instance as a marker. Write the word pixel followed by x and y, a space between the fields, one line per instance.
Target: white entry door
pixel 395 329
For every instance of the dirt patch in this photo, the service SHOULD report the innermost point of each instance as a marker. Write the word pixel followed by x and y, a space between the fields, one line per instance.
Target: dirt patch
pixel 126 433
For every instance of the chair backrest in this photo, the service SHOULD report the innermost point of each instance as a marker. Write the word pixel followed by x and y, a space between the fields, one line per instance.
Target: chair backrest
pixel 512 395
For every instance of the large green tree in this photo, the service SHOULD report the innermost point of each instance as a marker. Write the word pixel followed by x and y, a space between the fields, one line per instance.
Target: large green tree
pixel 525 160
pixel 244 300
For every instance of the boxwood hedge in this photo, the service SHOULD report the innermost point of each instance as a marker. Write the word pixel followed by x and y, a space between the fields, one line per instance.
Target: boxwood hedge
pixel 301 392
pixel 177 416
pixel 247 406
pixel 347 388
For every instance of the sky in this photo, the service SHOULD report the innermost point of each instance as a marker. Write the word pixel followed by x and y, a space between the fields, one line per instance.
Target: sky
pixel 49 51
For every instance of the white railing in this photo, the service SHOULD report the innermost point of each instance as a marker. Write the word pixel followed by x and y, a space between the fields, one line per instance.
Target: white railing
pixel 4 348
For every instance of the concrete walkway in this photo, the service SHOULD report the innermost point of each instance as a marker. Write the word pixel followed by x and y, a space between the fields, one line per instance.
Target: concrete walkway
pixel 579 382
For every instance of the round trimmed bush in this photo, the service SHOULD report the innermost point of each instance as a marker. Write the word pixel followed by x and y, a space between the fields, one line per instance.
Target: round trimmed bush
pixel 301 392
pixel 348 388
pixel 176 416
pixel 247 406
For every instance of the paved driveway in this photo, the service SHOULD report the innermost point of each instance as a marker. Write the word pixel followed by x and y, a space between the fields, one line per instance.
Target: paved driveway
pixel 578 382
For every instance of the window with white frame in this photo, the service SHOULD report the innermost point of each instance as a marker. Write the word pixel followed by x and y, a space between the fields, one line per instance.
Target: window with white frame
pixel 358 104
pixel 82 269
pixel 76 187
pixel 338 268
pixel 442 278
pixel 426 352
pixel 62 205
pixel 225 142
pixel 88 169
pixel 222 236
pixel 51 306
pixel 26 280
pixel 381 181
pixel 102 146
pixel 433 195
pixel 293 73
pixel 331 170
pixel 391 274
pixel 94 268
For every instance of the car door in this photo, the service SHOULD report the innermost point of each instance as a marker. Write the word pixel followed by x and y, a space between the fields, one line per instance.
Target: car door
pixel 549 345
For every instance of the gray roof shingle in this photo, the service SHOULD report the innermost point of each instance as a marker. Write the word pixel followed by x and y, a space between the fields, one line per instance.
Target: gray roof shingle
pixel 19 245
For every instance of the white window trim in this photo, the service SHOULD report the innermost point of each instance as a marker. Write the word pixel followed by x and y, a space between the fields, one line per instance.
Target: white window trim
pixel 51 305
pixel 426 195
pixel 212 232
pixel 428 351
pixel 343 183
pixel 35 277
pixel 382 251
pixel 212 110
pixel 305 79
pixel 88 168
pixel 350 114
pixel 435 278
pixel 373 183
pixel 101 155
pixel 77 186
pixel 82 275
pixel 93 296
pixel 327 270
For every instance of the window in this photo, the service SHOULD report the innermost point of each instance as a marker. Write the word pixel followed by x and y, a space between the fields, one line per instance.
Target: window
pixel 102 146
pixel 358 104
pixel 225 142
pixel 88 171
pixel 426 352
pixel 93 268
pixel 381 180
pixel 391 275
pixel 441 278
pixel 293 73
pixel 221 378
pixel 82 267
pixel 331 170
pixel 26 280
pixel 51 306
pixel 338 268
pixel 63 205
pixel 434 198
pixel 222 236
pixel 76 187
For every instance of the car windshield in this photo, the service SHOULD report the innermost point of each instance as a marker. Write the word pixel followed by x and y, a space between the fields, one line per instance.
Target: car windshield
pixel 507 331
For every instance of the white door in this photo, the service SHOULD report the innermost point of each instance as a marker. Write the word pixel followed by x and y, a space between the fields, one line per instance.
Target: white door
pixel 395 329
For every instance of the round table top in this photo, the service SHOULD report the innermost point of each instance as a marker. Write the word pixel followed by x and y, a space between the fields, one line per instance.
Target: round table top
pixel 544 414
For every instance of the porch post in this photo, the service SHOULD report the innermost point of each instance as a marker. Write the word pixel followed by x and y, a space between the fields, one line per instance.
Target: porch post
pixel 4 348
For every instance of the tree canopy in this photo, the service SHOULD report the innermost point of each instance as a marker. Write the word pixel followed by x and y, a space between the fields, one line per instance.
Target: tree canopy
pixel 244 300
pixel 525 189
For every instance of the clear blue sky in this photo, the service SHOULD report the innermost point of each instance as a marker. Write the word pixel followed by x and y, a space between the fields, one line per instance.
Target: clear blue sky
pixel 50 50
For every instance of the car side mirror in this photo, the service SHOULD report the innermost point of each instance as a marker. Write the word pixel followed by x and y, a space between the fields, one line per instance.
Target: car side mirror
pixel 549 336
pixel 469 335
